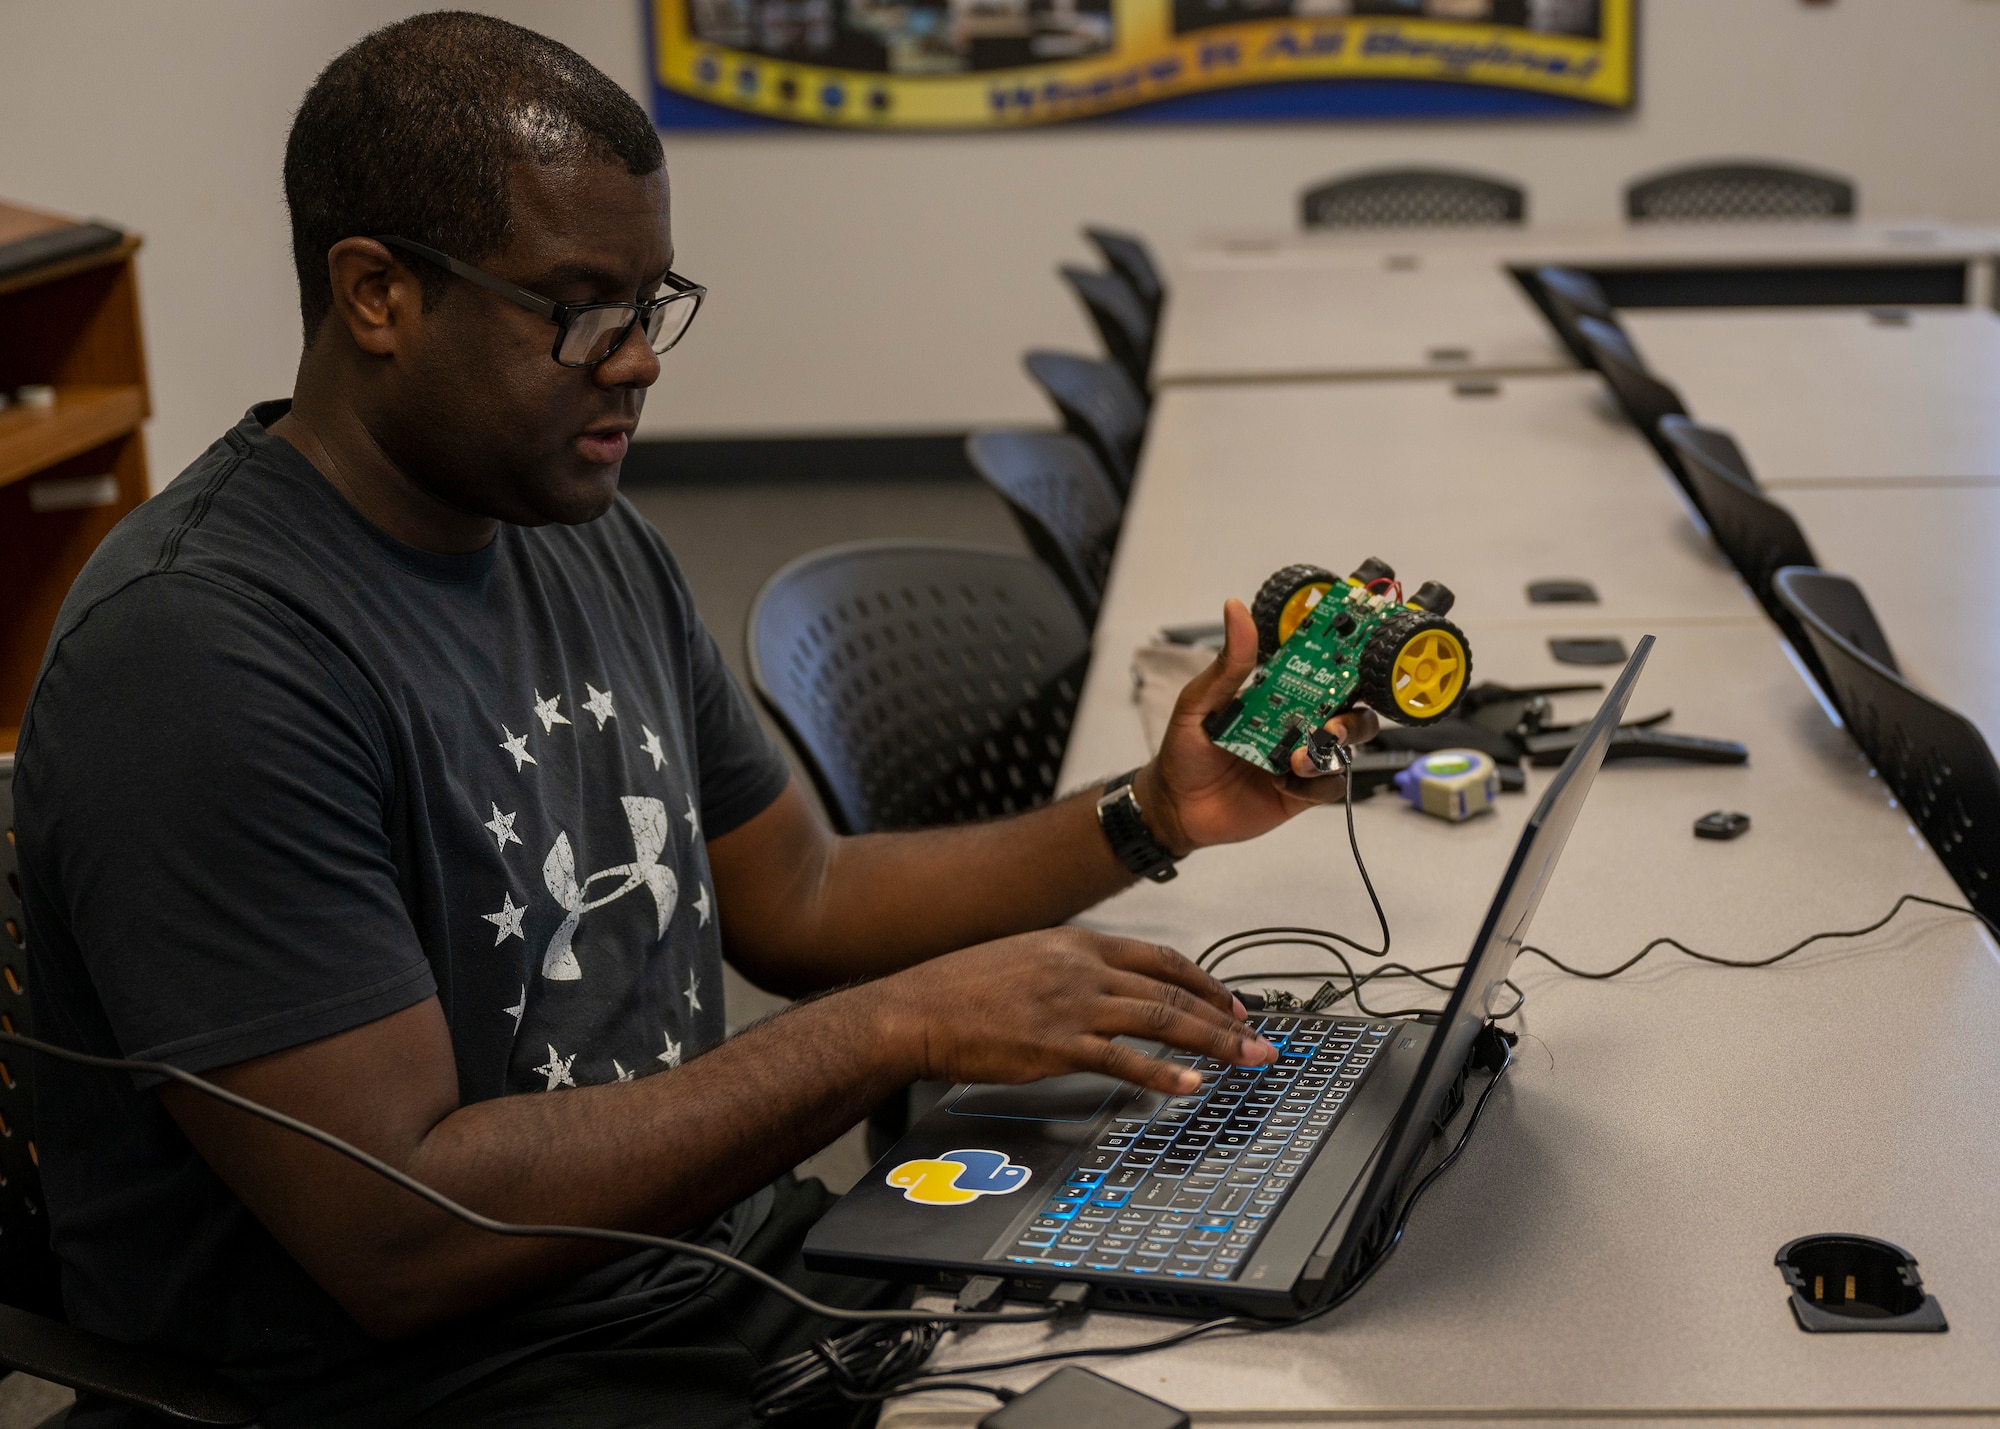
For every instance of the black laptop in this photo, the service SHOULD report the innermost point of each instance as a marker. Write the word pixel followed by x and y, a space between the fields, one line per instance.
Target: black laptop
pixel 1264 1193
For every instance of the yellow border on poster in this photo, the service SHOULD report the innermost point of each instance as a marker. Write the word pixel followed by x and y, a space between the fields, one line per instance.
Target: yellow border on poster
pixel 1149 63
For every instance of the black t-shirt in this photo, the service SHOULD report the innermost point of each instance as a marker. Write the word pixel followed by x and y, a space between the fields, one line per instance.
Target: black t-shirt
pixel 283 775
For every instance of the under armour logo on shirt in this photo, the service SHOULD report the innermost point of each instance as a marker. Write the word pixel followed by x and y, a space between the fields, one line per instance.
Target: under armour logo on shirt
pixel 649 823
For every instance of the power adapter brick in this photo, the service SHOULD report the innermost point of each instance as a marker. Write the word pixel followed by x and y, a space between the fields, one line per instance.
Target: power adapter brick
pixel 1073 1397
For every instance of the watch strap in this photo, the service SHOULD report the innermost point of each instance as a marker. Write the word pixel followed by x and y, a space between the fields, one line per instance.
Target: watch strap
pixel 1124 826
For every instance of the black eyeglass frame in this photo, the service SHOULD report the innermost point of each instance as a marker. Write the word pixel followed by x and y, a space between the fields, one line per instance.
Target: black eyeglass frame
pixel 562 314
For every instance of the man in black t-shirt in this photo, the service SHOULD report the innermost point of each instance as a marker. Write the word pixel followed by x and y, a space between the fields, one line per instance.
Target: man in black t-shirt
pixel 381 770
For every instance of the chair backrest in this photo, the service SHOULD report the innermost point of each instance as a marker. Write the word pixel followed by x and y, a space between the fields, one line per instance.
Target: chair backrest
pixel 1067 506
pixel 1933 758
pixel 1132 260
pixel 922 684
pixel 1565 295
pixel 1644 398
pixel 1745 192
pixel 1412 198
pixel 1838 604
pixel 1120 318
pixel 1098 403
pixel 1759 536
pixel 28 1273
pixel 1714 444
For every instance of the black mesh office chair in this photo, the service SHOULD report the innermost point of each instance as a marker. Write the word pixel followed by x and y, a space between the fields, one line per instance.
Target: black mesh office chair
pixel 1067 507
pixel 1933 758
pixel 1565 296
pixel 1121 319
pixel 1098 403
pixel 1412 198
pixel 1644 398
pixel 1130 258
pixel 1759 536
pixel 921 684
pixel 33 1336
pixel 1737 192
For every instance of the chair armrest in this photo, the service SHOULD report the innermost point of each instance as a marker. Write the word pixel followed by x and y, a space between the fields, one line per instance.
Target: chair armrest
pixel 49 1349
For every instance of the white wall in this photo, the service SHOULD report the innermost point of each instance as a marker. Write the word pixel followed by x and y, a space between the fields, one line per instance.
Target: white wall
pixel 880 282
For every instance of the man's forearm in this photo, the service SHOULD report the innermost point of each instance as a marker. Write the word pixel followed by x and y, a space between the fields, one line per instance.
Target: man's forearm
pixel 880 902
pixel 661 1154
pixel 803 909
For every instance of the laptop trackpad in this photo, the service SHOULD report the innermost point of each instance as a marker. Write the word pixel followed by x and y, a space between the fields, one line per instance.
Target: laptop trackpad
pixel 1079 1096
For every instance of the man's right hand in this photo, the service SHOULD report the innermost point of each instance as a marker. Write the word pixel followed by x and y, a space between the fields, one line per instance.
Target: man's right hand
pixel 1045 1003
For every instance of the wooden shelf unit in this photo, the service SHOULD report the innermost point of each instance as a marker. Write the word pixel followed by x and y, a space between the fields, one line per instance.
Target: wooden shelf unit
pixel 73 324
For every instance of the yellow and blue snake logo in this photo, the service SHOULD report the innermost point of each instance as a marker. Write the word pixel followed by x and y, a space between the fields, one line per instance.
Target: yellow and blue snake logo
pixel 958 1177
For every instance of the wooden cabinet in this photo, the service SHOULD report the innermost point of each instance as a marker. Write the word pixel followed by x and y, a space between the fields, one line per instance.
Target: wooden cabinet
pixel 70 472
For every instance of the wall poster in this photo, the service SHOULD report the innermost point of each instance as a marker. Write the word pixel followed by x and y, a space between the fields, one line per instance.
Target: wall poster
pixel 1003 64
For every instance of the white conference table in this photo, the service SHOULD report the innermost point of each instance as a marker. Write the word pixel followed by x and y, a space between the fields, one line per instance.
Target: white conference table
pixel 1894 242
pixel 1830 396
pixel 1929 558
pixel 1369 315
pixel 1524 479
pixel 1406 302
pixel 1604 1250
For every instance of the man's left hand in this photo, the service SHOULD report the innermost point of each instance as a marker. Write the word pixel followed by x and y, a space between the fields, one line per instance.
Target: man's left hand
pixel 1195 793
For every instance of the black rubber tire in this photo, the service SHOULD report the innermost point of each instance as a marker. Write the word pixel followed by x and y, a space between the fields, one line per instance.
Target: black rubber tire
pixel 1378 665
pixel 1269 605
pixel 1372 570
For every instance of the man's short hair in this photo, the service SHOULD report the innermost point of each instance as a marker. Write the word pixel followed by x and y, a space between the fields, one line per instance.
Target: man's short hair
pixel 413 130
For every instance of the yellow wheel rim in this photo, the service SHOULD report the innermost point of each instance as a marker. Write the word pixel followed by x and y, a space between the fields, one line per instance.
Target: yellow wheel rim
pixel 1298 607
pixel 1429 672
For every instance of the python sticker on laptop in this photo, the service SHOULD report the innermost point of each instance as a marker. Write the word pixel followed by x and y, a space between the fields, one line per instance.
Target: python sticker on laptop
pixel 957 1177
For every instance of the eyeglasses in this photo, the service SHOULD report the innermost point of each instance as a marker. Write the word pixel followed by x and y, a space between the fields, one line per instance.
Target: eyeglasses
pixel 586 333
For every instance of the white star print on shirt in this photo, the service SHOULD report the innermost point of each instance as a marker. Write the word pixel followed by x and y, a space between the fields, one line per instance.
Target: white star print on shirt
pixel 701 904
pixel 623 1075
pixel 651 745
pixel 693 993
pixel 693 817
pixel 517 745
pixel 599 704
pixel 556 1069
pixel 519 1009
pixel 547 713
pixel 672 1056
pixel 502 826
pixel 507 922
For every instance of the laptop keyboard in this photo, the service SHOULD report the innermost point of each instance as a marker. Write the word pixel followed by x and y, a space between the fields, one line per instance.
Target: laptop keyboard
pixel 1186 1192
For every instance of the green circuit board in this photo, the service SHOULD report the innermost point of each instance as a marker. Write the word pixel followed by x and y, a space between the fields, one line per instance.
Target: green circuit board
pixel 1311 677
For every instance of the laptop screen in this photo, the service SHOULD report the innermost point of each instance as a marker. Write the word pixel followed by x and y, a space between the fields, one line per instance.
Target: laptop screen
pixel 1480 991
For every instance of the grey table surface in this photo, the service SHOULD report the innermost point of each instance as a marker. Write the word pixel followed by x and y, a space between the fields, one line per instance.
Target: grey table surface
pixel 1604 1248
pixel 1366 315
pixel 1603 1252
pixel 1829 396
pixel 1528 478
pixel 1867 241
pixel 1929 558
